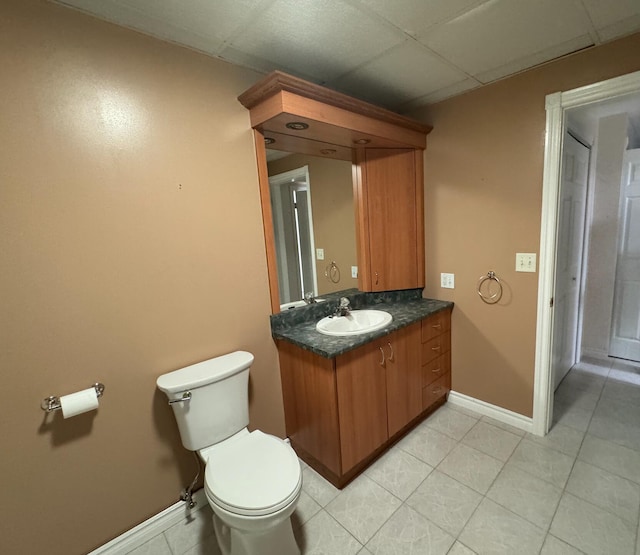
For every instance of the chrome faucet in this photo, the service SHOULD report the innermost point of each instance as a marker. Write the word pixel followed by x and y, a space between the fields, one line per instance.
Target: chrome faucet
pixel 344 308
pixel 309 298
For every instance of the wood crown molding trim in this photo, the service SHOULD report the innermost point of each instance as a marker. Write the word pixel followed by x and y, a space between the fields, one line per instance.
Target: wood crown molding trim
pixel 277 82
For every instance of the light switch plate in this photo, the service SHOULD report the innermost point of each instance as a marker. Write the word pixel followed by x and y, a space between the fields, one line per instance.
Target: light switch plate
pixel 447 281
pixel 320 254
pixel 354 271
pixel 525 262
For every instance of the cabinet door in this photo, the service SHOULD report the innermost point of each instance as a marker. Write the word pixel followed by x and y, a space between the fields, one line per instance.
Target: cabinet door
pixel 404 377
pixel 389 204
pixel 362 403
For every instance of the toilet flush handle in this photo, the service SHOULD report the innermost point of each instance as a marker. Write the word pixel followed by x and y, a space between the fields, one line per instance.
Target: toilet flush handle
pixel 186 396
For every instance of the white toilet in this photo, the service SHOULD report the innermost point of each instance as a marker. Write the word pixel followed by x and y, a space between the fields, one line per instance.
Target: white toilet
pixel 252 480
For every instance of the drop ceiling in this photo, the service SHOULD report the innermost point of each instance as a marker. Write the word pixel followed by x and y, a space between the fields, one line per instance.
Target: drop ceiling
pixel 399 54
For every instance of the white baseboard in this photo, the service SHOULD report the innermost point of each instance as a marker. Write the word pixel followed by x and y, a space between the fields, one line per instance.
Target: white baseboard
pixel 486 409
pixel 151 527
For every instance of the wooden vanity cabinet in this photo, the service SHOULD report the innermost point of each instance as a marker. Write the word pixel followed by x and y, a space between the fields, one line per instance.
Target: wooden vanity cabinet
pixel 388 194
pixel 341 413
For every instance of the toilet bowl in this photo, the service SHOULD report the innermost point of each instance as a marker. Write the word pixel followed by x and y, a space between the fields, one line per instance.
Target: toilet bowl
pixel 252 479
pixel 253 483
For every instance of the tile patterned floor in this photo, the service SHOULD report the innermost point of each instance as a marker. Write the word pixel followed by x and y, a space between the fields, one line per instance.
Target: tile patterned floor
pixel 462 484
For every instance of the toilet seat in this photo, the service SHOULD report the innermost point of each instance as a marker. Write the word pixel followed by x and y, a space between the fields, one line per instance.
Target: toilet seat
pixel 254 475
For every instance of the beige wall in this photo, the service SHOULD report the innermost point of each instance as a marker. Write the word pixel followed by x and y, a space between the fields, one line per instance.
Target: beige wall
pixel 125 163
pixel 483 191
pixel 334 224
pixel 603 235
pixel 124 167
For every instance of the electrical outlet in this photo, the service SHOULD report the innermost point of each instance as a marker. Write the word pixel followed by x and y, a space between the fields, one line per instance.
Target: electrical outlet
pixel 320 254
pixel 447 281
pixel 354 272
pixel 525 262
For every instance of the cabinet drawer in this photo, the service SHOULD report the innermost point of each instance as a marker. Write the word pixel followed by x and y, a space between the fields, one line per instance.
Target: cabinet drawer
pixel 435 391
pixel 435 325
pixel 436 369
pixel 436 347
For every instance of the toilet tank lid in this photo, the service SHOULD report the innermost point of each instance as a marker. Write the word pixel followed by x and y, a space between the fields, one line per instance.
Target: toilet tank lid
pixel 205 372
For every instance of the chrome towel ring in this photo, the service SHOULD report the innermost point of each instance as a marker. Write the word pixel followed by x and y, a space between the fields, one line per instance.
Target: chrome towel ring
pixel 332 273
pixel 484 288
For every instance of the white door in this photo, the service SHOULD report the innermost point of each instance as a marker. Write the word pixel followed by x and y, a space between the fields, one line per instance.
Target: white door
pixel 571 222
pixel 625 325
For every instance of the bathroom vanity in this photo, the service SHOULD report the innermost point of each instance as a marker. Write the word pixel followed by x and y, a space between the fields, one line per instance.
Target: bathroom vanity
pixel 347 399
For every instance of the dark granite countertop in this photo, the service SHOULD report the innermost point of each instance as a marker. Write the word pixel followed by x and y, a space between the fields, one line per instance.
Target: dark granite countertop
pixel 298 325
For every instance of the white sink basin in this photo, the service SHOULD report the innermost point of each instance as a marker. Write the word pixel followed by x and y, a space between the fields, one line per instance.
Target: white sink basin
pixel 355 323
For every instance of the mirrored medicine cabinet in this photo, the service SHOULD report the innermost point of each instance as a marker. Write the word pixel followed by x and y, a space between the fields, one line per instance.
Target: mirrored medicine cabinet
pixel 345 174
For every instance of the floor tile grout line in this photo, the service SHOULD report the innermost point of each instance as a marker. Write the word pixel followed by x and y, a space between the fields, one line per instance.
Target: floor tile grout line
pixel 575 460
pixel 341 526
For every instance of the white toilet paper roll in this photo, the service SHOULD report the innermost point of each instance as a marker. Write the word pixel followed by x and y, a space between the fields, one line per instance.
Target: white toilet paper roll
pixel 77 403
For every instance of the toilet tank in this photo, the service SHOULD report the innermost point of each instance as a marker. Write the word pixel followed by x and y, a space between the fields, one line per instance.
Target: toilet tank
pixel 219 403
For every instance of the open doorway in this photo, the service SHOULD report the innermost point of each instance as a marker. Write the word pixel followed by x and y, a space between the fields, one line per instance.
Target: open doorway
pixel 293 231
pixel 564 335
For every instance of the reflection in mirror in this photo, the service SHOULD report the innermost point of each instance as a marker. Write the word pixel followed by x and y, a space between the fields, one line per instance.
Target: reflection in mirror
pixel 312 206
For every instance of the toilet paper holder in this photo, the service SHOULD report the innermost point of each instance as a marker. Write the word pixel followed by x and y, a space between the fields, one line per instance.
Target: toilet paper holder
pixel 49 404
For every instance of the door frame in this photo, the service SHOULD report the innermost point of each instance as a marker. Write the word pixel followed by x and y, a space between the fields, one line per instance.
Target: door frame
pixel 555 105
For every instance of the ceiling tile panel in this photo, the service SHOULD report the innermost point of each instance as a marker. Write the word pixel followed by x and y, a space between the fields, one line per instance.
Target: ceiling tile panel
pixel 400 74
pixel 624 27
pixel 534 59
pixel 200 24
pixel 368 48
pixel 437 96
pixel 324 39
pixel 415 16
pixel 607 12
pixel 502 31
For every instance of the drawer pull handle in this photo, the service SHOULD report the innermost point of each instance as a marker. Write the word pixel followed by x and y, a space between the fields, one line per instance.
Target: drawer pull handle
pixel 376 278
pixel 437 390
pixel 436 370
pixel 391 352
pixel 437 326
pixel 382 352
pixel 435 348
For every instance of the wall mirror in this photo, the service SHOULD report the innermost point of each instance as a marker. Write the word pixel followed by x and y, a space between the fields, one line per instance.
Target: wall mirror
pixel 313 220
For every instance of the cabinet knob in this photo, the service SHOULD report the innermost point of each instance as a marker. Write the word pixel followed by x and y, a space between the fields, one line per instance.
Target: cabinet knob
pixel 436 390
pixel 376 278
pixel 382 352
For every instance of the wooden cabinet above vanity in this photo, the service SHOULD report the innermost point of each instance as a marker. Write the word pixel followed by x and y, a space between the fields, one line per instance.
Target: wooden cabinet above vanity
pixel 386 150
